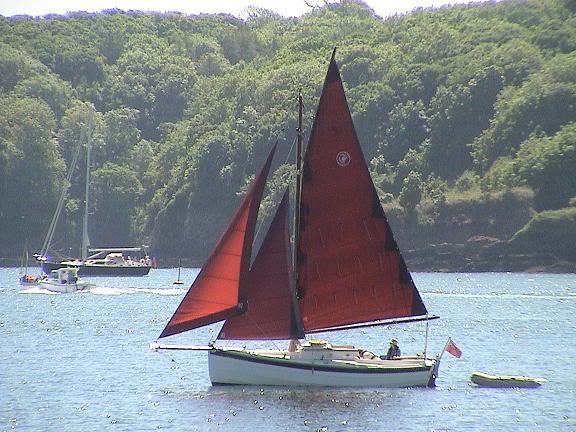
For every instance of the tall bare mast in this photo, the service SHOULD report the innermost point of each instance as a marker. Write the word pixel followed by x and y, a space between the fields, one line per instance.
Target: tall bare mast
pixel 85 238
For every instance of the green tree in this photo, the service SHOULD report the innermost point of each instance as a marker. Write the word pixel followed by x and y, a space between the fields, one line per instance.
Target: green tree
pixel 55 92
pixel 32 172
pixel 414 161
pixel 460 114
pixel 188 105
pixel 116 193
pixel 120 134
pixel 547 165
pixel 406 129
pixel 434 193
pixel 501 175
pixel 16 66
pixel 411 194
pixel 545 102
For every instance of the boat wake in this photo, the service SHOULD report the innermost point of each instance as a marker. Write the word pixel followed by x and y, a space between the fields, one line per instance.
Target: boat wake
pixel 37 290
pixel 111 291
pixel 132 290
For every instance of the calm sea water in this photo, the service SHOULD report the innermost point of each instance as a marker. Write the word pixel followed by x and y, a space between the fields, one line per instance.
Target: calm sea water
pixel 80 362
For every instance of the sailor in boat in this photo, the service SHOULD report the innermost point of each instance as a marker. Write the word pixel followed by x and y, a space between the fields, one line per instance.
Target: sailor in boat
pixel 294 345
pixel 393 350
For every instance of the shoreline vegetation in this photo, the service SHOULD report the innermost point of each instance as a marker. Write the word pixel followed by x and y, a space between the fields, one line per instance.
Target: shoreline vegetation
pixel 466 115
pixel 446 262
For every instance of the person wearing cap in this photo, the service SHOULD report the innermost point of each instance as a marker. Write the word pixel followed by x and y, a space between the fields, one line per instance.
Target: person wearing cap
pixel 394 350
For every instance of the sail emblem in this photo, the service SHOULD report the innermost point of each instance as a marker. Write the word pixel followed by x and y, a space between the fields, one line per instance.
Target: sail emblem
pixel 343 158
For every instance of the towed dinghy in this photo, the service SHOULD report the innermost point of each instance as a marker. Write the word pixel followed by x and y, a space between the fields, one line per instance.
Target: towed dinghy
pixel 505 381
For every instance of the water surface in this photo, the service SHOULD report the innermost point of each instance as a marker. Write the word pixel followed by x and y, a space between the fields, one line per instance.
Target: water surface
pixel 80 362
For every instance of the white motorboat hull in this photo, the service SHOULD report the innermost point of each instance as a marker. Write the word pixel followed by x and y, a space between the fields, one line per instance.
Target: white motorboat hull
pixel 237 366
pixel 65 280
pixel 66 288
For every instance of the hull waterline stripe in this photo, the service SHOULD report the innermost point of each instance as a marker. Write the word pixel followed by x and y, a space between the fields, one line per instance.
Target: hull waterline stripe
pixel 317 367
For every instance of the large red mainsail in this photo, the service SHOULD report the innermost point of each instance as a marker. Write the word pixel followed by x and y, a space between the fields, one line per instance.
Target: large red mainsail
pixel 270 312
pixel 350 270
pixel 348 266
pixel 216 293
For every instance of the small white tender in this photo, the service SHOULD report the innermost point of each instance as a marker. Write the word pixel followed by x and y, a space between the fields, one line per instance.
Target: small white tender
pixel 505 381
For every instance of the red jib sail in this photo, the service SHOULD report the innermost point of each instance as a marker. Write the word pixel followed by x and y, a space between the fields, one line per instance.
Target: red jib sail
pixel 270 312
pixel 216 293
pixel 350 270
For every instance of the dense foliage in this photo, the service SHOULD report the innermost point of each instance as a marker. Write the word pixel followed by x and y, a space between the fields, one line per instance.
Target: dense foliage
pixel 466 100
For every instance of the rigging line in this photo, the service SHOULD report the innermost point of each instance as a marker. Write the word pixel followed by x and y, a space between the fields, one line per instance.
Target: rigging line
pixel 290 151
pixel 256 236
pixel 263 332
pixel 55 217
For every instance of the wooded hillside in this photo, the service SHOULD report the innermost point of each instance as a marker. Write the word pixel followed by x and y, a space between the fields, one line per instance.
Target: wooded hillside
pixel 466 114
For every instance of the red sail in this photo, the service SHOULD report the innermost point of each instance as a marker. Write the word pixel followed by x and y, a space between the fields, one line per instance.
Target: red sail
pixel 216 293
pixel 350 270
pixel 269 290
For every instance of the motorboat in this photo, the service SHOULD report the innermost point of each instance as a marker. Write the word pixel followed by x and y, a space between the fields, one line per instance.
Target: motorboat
pixel 65 280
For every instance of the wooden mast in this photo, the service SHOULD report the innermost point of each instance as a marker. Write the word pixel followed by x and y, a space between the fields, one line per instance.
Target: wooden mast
pixel 298 189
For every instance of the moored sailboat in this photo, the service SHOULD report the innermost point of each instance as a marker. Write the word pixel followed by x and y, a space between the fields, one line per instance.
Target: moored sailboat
pixel 24 278
pixel 347 272
pixel 93 261
pixel 178 281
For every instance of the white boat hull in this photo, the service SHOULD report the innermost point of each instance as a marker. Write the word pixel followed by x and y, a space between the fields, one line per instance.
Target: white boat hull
pixel 237 366
pixel 505 381
pixel 66 288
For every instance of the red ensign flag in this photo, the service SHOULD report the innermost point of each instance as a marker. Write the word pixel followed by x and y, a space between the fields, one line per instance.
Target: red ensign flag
pixel 453 349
